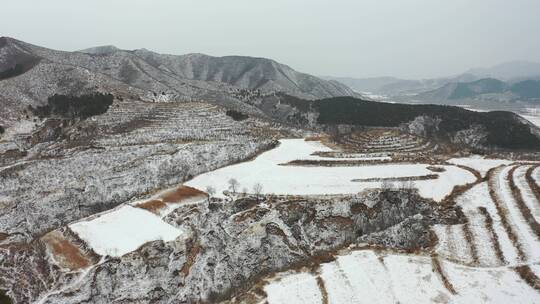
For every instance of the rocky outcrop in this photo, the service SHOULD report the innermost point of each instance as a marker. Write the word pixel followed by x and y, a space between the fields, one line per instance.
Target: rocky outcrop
pixel 229 244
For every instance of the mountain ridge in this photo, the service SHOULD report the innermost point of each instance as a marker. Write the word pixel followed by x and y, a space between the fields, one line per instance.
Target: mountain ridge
pixel 511 71
pixel 147 75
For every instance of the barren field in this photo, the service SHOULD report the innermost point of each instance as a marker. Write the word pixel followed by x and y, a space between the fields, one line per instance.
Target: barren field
pixel 275 178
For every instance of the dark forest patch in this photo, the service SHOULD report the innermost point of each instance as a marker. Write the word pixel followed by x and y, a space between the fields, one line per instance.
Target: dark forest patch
pixel 21 65
pixel 504 129
pixel 70 107
pixel 238 116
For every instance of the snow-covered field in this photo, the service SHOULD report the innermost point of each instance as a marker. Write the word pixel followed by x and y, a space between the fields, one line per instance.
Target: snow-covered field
pixel 535 119
pixel 528 239
pixel 479 163
pixel 532 115
pixel 303 180
pixel 368 277
pixel 453 244
pixel 294 288
pixel 123 230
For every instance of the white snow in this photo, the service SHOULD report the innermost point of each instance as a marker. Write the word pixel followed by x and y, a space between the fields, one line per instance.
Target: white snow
pixel 363 277
pixel 123 230
pixel 528 197
pixel 452 243
pixel 489 285
pixel 525 235
pixel 355 278
pixel 535 119
pixel 293 289
pixel 479 163
pixel 478 196
pixel 304 180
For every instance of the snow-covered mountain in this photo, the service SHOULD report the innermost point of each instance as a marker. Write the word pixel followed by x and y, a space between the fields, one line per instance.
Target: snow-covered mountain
pixel 30 74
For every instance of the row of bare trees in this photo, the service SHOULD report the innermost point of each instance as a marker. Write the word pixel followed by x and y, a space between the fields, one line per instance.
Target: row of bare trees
pixel 234 187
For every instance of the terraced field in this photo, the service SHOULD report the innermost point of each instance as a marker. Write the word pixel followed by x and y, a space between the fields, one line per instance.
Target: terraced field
pixel 134 145
pixel 391 142
pixel 487 252
pixel 493 257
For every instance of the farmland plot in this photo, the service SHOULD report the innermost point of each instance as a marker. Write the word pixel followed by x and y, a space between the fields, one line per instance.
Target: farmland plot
pixel 123 230
pixel 366 276
pixel 267 170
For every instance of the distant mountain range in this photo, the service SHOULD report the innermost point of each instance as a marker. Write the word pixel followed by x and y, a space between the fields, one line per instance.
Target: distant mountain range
pixel 485 89
pixel 29 74
pixel 510 72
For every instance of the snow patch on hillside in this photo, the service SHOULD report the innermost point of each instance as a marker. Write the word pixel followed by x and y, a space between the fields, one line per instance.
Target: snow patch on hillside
pixel 123 230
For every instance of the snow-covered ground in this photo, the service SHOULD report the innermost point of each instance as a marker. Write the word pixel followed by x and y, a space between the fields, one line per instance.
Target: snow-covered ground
pixel 294 288
pixel 367 277
pixel 532 115
pixel 453 244
pixel 525 235
pixel 528 196
pixel 303 180
pixel 123 230
pixel 479 163
pixel 535 119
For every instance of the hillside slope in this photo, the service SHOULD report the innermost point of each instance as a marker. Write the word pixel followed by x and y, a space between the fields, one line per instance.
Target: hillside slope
pixel 486 89
pixel 479 130
pixel 29 74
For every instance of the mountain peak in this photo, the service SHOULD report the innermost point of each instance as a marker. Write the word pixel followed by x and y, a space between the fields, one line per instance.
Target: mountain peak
pixel 509 70
pixel 101 50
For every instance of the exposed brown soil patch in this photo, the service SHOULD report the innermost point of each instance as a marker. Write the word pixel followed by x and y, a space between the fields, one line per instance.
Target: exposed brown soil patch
pixel 503 213
pixel 437 268
pixel 174 196
pixel 322 289
pixel 337 163
pixel 181 193
pixel 153 206
pixel 194 249
pixel 528 276
pixel 337 220
pixel 65 253
pixel 397 179
pixel 470 242
pixel 488 224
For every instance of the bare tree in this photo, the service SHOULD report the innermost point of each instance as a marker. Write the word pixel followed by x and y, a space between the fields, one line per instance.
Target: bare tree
pixel 257 189
pixel 233 185
pixel 244 191
pixel 406 185
pixel 211 191
pixel 387 185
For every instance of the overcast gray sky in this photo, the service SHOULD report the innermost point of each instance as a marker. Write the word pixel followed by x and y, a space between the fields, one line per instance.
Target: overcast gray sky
pixel 358 38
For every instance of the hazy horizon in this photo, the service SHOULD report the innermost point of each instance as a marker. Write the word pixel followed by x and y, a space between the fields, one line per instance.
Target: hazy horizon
pixel 406 39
